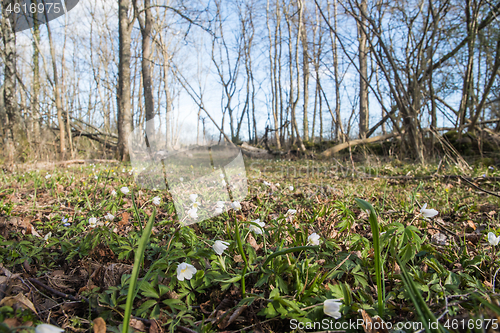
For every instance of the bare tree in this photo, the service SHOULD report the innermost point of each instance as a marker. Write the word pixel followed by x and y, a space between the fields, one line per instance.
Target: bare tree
pixel 363 69
pixel 123 95
pixel 305 69
pixel 146 24
pixel 11 130
pixel 294 100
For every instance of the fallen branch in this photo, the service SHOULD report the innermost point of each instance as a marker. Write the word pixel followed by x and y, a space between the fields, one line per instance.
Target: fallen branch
pixel 85 161
pixel 329 152
pixel 56 292
pixel 478 188
pixel 254 152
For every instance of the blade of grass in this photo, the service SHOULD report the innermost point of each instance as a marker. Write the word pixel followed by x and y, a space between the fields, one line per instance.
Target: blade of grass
pixel 285 251
pixel 243 255
pixel 424 313
pixel 135 271
pixel 137 216
pixel 376 251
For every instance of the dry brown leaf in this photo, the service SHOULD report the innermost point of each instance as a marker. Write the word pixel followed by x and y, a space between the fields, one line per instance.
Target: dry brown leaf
pixel 373 325
pixel 125 219
pixel 253 242
pixel 471 224
pixel 397 269
pixel 99 325
pixel 155 327
pixel 12 322
pixel 20 299
pixel 137 324
pixel 229 320
pixel 237 258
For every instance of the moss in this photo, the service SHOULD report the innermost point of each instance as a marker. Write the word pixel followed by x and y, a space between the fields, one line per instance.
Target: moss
pixel 485 162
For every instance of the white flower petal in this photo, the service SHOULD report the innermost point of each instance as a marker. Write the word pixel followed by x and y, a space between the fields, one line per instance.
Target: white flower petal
pixel 331 307
pixel 47 328
pixel 220 246
pixel 493 239
pixel 185 271
pixel 156 201
pixel 427 213
pixel 313 239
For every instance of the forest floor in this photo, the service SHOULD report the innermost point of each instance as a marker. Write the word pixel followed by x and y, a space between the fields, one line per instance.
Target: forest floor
pixel 59 266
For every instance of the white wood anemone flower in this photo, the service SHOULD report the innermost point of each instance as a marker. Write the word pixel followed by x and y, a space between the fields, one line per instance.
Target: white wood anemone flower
pixel 47 328
pixel 291 188
pixel 92 222
pixel 255 229
pixel 185 271
pixel 193 213
pixel 156 201
pixel 125 190
pixel 331 307
pixel 313 239
pixel 220 246
pixel 291 212
pixel 109 217
pixel 428 213
pixel 493 239
pixel 193 197
pixel 113 193
pixel 218 211
pixel 236 205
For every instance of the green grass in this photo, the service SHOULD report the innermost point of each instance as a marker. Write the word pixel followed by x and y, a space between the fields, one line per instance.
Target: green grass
pixel 271 282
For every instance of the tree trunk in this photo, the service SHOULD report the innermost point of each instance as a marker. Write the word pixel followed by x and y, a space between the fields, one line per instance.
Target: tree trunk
pixel 305 72
pixel 123 96
pixel 467 90
pixel 339 131
pixel 147 80
pixel 35 107
pixel 9 85
pixel 57 97
pixel 363 69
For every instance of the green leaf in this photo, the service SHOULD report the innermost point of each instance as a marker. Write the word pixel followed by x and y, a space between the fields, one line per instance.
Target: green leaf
pixel 377 255
pixel 290 250
pixel 232 280
pixel 145 306
pixel 174 304
pixel 149 291
pixel 135 271
pixel 163 289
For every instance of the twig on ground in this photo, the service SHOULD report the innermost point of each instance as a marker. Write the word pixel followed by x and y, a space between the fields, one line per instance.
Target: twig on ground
pixel 56 292
pixel 478 188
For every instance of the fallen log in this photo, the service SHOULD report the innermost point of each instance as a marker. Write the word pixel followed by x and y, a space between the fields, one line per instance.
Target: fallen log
pixel 335 149
pixel 254 152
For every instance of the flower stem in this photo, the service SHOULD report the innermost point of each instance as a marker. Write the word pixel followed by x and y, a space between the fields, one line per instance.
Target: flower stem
pixel 135 271
pixel 240 248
